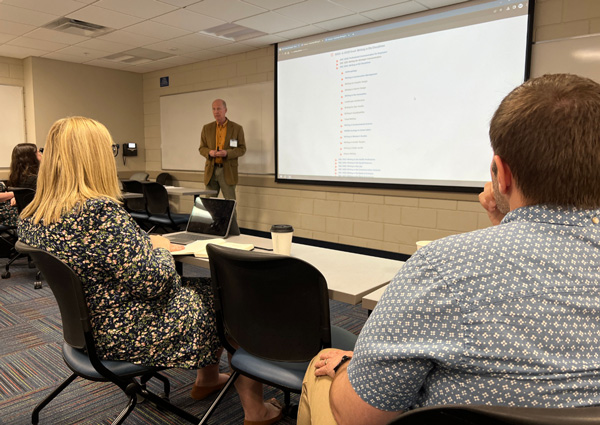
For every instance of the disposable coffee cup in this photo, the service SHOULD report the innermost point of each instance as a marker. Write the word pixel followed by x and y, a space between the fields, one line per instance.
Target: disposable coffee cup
pixel 281 234
pixel 421 244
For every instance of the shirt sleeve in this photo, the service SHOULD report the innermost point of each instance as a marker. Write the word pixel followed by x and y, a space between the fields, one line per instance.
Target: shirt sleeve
pixel 414 329
pixel 146 272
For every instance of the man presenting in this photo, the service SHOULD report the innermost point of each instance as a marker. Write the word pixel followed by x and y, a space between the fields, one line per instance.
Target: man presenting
pixel 222 143
pixel 507 315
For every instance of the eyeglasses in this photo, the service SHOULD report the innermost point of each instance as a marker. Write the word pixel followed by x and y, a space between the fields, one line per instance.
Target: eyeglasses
pixel 41 150
pixel 115 149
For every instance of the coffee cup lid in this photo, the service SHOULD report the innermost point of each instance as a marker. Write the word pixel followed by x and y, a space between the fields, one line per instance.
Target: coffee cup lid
pixel 281 228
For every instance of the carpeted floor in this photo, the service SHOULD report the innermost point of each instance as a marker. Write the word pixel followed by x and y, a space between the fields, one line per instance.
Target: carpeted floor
pixel 31 365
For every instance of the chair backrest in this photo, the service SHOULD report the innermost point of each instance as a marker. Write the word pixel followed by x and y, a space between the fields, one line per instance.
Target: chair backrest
pixel 23 196
pixel 142 177
pixel 164 179
pixel 67 290
pixel 274 306
pixel 157 198
pixel 134 186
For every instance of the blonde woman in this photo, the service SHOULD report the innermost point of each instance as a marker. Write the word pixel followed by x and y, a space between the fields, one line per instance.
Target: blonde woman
pixel 142 312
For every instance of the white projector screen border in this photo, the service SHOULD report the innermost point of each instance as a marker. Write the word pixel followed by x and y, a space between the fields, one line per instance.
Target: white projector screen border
pixel 403 102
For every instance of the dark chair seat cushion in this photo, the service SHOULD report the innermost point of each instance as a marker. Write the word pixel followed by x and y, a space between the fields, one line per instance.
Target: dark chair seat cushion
pixel 286 375
pixel 79 362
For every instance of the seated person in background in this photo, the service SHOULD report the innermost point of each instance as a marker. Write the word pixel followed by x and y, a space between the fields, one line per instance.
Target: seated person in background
pixel 8 212
pixel 141 311
pixel 24 166
pixel 506 315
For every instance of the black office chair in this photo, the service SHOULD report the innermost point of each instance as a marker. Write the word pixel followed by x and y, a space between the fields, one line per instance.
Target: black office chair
pixel 79 350
pixel 159 210
pixel 165 179
pixel 136 207
pixel 499 415
pixel 276 308
pixel 23 196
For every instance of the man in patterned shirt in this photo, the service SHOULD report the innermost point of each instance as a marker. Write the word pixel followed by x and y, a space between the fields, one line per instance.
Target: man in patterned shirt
pixel 507 315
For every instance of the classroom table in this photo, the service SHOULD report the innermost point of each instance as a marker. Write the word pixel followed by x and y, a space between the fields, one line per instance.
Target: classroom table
pixel 182 191
pixel 349 276
pixel 369 301
pixel 131 195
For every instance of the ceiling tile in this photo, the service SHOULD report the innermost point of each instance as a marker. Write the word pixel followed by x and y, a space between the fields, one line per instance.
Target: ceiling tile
pixel 179 3
pixel 202 41
pixel 270 23
pixel 432 4
pixel 393 11
pixel 104 63
pixel 104 45
pixel 226 10
pixel 65 58
pixel 172 47
pixel 362 5
pixel 190 21
pixel 81 52
pixel 157 30
pixel 272 4
pixel 301 32
pixel 6 37
pixel 345 22
pixel 129 38
pixel 54 7
pixel 57 36
pixel 34 43
pixel 141 8
pixel 233 49
pixel 15 28
pixel 25 16
pixel 105 17
pixel 176 60
pixel 264 40
pixel 19 52
pixel 202 55
pixel 315 11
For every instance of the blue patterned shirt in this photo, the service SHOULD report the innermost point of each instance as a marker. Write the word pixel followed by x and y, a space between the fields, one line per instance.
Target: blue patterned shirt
pixel 508 315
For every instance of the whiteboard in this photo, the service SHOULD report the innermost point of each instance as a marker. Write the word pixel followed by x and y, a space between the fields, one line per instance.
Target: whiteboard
pixel 12 121
pixel 577 55
pixel 182 117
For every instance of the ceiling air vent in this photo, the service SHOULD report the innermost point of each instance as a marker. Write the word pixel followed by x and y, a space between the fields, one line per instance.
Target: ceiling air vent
pixel 233 32
pixel 74 26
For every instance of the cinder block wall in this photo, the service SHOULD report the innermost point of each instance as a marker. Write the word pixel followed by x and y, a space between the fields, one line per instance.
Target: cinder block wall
pixel 390 220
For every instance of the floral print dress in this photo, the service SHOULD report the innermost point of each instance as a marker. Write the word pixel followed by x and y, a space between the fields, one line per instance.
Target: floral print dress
pixel 8 214
pixel 141 312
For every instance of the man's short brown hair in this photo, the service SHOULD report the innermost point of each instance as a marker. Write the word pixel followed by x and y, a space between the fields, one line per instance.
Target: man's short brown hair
pixel 548 131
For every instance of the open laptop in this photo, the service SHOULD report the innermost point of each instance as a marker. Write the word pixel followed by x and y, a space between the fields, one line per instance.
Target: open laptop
pixel 210 218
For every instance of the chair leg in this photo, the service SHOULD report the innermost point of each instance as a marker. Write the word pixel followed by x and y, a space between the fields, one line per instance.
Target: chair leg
pixel 35 416
pixel 215 403
pixel 126 411
pixel 37 284
pixel 6 273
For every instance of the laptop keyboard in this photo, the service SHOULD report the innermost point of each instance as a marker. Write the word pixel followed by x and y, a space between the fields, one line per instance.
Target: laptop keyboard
pixel 186 238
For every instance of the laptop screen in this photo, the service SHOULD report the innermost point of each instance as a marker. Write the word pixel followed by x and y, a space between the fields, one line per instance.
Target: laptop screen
pixel 211 216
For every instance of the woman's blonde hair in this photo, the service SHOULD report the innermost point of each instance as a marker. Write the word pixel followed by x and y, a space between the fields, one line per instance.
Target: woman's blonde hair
pixel 78 165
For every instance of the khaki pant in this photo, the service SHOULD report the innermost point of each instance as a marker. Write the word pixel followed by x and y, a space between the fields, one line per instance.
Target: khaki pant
pixel 217 182
pixel 314 406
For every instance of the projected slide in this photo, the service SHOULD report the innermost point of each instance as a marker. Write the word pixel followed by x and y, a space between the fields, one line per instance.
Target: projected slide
pixel 404 103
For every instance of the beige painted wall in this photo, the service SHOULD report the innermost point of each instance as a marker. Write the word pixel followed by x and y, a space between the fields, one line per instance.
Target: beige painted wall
pixel 11 74
pixel 55 89
pixel 391 220
pixel 113 97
